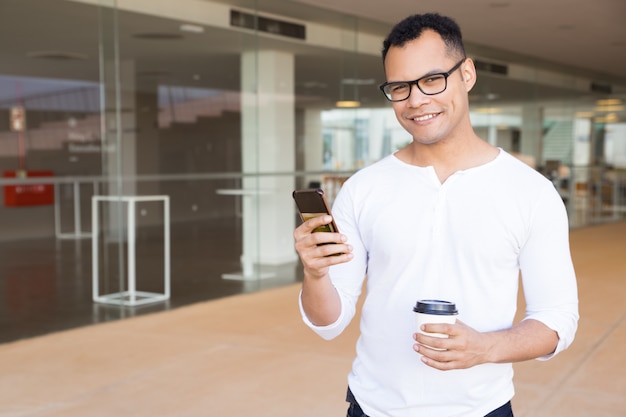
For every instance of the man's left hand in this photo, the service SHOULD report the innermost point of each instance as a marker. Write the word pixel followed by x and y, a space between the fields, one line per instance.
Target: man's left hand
pixel 463 347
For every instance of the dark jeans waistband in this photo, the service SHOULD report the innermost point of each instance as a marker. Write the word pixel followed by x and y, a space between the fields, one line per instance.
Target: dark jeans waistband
pixel 354 410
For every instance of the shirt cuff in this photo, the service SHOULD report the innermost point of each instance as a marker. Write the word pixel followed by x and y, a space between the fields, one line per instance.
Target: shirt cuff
pixel 327 332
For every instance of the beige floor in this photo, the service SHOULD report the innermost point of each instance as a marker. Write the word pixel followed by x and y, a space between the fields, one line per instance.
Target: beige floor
pixel 249 355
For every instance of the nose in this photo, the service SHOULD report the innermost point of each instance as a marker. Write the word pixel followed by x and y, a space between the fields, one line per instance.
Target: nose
pixel 416 97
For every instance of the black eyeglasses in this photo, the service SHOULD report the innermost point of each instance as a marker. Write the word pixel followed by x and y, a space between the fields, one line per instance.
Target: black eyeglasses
pixel 430 85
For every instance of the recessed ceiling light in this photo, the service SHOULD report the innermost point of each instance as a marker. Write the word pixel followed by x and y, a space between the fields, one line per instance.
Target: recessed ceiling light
pixel 58 55
pixel 609 108
pixel 348 104
pixel 191 28
pixel 609 102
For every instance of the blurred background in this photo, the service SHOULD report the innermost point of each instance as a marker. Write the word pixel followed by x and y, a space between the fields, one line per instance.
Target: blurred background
pixel 148 149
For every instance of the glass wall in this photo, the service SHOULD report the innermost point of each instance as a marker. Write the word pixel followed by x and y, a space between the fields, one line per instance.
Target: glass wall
pixel 186 125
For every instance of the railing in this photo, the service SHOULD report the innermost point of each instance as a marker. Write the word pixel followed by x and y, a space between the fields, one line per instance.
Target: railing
pixel 592 194
pixel 73 193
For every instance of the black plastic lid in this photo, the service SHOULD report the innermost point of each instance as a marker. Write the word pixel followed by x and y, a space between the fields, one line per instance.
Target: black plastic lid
pixel 438 307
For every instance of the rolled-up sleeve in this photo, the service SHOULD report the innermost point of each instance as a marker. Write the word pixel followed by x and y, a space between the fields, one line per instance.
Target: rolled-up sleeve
pixel 548 275
pixel 347 277
pixel 332 330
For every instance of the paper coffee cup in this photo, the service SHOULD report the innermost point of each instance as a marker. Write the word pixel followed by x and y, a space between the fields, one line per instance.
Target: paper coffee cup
pixel 434 311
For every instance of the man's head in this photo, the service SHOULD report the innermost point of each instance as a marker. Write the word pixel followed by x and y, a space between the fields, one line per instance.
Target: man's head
pixel 413 26
pixel 429 78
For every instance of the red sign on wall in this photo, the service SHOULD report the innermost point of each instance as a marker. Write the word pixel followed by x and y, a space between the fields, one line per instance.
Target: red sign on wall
pixel 28 194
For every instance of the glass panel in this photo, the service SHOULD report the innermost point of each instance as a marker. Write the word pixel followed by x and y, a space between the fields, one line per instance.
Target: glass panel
pixel 49 76
pixel 225 115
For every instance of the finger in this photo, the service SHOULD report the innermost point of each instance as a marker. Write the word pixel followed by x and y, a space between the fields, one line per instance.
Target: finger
pixel 313 223
pixel 323 243
pixel 304 230
pixel 329 254
pixel 435 360
pixel 313 248
pixel 334 250
pixel 439 328
pixel 317 265
pixel 320 263
pixel 321 238
pixel 310 229
pixel 440 358
pixel 433 342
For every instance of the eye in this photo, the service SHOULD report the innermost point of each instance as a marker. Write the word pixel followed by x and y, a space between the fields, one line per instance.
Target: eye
pixel 400 87
pixel 435 78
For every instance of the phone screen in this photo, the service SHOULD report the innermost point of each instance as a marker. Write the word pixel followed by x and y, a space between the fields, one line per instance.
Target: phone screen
pixel 323 228
pixel 312 203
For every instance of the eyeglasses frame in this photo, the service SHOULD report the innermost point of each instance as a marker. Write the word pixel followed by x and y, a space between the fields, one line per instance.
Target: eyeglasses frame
pixel 416 82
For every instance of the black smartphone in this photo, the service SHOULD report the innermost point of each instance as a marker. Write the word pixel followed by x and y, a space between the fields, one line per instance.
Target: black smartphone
pixel 312 203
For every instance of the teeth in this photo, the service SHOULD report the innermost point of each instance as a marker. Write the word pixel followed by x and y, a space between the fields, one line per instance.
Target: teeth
pixel 422 118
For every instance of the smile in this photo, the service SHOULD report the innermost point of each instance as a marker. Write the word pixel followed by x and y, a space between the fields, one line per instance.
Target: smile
pixel 425 117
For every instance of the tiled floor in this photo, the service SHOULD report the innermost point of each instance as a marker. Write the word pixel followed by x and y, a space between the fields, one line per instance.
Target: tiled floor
pixel 250 354
pixel 589 379
pixel 45 284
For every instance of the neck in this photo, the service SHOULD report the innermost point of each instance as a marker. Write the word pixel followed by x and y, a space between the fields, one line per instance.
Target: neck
pixel 448 157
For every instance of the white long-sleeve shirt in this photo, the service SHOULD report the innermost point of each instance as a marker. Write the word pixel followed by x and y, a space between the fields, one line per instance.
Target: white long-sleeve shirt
pixel 465 241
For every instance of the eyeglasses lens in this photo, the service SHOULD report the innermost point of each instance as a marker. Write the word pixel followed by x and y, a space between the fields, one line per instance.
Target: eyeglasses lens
pixel 431 85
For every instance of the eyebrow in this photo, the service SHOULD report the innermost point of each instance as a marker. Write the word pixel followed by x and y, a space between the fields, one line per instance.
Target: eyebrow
pixel 425 75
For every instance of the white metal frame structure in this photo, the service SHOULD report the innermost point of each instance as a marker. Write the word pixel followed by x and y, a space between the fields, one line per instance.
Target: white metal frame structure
pixel 130 296
pixel 78 233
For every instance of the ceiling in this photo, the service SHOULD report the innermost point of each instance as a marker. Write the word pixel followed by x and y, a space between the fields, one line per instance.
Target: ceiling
pixel 590 37
pixel 585 34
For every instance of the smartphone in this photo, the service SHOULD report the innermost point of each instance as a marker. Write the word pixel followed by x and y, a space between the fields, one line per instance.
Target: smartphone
pixel 312 203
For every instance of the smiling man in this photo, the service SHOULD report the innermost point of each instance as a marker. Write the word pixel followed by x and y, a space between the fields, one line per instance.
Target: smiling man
pixel 448 217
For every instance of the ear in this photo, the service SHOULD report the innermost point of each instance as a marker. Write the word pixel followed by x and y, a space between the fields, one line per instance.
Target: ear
pixel 468 70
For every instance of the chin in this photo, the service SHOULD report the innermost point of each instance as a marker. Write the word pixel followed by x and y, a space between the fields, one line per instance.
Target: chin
pixel 426 141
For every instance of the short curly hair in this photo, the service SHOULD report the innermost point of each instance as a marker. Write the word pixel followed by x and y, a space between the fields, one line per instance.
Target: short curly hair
pixel 412 27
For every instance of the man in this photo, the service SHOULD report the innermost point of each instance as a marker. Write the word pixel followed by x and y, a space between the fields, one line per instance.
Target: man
pixel 447 217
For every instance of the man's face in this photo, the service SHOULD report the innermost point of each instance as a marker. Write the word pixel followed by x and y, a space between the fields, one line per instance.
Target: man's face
pixel 431 118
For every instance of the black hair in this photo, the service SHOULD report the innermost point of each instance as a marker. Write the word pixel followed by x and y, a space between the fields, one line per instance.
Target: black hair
pixel 412 27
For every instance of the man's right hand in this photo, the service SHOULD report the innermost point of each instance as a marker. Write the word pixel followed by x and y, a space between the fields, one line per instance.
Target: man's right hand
pixel 320 250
